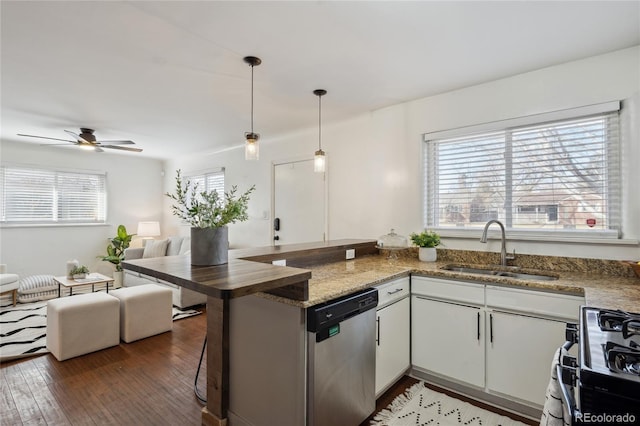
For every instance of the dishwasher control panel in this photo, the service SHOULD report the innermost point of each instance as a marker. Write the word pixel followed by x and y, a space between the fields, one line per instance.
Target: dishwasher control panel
pixel 322 317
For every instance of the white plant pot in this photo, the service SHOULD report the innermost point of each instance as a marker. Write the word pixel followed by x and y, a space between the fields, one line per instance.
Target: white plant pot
pixel 427 254
pixel 117 279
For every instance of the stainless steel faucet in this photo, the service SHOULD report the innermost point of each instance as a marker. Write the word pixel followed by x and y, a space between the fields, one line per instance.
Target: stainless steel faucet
pixel 503 250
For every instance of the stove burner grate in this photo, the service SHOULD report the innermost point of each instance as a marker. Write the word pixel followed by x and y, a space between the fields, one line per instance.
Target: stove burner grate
pixel 622 359
pixel 614 320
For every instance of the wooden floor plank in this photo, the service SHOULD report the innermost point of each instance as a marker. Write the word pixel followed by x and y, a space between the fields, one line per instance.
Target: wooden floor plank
pixel 10 414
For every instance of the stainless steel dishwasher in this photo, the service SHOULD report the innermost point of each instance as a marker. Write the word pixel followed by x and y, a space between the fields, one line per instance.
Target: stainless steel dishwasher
pixel 341 365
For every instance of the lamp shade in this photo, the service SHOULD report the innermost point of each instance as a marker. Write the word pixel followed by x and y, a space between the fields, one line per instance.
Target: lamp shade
pixel 148 229
pixel 319 161
pixel 251 148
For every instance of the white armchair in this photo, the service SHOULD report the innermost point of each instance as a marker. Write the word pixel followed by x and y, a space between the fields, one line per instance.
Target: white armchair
pixel 9 283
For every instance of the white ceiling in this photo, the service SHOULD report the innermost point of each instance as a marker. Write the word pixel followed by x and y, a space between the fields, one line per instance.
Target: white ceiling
pixel 170 75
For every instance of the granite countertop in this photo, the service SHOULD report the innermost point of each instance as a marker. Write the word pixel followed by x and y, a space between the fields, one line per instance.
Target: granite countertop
pixel 340 278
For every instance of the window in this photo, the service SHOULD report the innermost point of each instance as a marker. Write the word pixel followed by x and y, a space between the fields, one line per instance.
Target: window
pixel 209 181
pixel 558 176
pixel 42 196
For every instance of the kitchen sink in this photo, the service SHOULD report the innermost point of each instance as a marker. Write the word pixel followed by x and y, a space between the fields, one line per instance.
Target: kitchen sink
pixel 499 273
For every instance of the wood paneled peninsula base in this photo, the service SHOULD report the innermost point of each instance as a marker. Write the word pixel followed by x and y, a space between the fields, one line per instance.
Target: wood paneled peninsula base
pixel 222 283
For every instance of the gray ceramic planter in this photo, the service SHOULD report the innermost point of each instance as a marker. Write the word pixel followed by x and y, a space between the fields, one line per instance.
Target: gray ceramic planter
pixel 209 246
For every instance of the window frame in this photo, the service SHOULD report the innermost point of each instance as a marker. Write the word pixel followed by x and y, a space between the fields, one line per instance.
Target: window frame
pixel 57 175
pixel 614 166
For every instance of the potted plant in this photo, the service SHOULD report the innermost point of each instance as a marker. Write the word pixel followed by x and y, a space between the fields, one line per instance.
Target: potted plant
pixel 115 252
pixel 427 241
pixel 79 272
pixel 208 213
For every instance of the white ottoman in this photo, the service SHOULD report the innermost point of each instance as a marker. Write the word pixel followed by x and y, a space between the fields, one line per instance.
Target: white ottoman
pixel 145 310
pixel 81 324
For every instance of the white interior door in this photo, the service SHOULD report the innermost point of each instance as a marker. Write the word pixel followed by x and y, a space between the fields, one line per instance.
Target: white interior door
pixel 299 203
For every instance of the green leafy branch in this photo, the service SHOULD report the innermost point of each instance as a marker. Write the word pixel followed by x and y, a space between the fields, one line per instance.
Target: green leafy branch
pixel 208 209
pixel 117 246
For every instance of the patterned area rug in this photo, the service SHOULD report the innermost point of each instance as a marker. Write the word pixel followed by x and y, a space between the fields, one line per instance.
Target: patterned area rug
pixel 23 328
pixel 420 405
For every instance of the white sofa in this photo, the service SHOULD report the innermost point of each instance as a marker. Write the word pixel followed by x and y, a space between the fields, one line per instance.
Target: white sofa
pixel 172 246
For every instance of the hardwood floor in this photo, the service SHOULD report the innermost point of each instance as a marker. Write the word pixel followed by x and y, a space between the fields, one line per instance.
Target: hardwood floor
pixel 148 382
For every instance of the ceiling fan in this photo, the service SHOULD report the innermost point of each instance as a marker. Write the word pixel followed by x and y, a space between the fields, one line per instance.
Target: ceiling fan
pixel 87 140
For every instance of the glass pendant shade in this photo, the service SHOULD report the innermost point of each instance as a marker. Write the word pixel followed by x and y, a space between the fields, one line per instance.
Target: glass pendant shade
pixel 319 162
pixel 251 147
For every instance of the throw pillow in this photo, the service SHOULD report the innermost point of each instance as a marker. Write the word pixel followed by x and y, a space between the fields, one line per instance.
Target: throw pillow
pixel 173 248
pixel 185 248
pixel 155 248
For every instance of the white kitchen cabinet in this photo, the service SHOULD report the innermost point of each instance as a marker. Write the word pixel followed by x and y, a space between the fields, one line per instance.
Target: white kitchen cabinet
pixel 448 339
pixel 525 328
pixel 512 358
pixel 393 333
pixel 519 354
pixel 447 328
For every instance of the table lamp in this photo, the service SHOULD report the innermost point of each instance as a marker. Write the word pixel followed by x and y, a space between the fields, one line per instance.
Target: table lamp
pixel 148 230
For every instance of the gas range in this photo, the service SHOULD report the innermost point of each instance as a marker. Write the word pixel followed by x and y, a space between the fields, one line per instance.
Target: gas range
pixel 610 343
pixel 606 375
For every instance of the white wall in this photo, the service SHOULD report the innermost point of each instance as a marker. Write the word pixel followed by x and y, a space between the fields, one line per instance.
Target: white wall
pixel 134 194
pixel 374 165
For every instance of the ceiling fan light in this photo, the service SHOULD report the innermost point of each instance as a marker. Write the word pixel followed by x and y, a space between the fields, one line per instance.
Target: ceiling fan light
pixel 251 147
pixel 87 147
pixel 319 161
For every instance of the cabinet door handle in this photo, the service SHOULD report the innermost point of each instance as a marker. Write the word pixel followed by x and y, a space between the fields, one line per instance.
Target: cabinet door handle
pixel 478 325
pixel 491 328
pixel 394 291
pixel 378 331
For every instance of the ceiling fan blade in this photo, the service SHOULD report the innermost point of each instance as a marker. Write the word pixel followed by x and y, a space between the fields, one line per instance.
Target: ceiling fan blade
pixel 44 137
pixel 116 142
pixel 77 136
pixel 124 148
pixel 98 149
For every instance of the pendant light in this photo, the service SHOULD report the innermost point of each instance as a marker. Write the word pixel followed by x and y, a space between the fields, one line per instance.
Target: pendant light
pixel 251 148
pixel 319 159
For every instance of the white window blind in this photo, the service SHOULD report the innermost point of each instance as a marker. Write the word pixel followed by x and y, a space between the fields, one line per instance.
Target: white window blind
pixel 560 176
pixel 208 181
pixel 42 196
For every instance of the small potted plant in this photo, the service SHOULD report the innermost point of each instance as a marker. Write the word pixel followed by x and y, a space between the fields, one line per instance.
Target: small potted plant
pixel 115 252
pixel 79 272
pixel 208 213
pixel 427 241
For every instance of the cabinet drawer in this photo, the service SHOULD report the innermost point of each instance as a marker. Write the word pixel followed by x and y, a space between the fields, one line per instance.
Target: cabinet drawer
pixel 535 302
pixel 448 290
pixel 391 291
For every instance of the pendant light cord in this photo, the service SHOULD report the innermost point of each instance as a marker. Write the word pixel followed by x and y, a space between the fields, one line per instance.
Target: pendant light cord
pixel 251 98
pixel 319 122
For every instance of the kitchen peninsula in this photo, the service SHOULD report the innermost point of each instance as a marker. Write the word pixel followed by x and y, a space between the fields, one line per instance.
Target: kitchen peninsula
pixel 236 279
pixel 250 273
